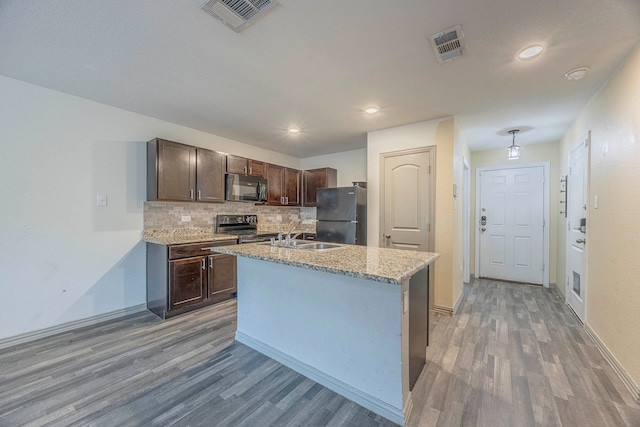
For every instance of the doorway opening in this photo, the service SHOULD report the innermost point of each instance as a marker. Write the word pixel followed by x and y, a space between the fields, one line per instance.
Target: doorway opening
pixel 466 201
pixel 512 228
pixel 576 244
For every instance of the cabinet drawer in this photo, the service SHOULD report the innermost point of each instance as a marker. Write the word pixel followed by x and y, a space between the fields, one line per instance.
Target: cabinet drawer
pixel 195 249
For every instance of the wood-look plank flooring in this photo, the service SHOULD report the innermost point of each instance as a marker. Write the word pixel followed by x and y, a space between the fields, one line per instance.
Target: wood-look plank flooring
pixel 515 355
pixel 140 371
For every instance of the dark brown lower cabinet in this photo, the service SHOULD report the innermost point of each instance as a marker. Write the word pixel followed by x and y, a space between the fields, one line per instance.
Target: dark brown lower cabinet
pixel 187 282
pixel 181 278
pixel 222 277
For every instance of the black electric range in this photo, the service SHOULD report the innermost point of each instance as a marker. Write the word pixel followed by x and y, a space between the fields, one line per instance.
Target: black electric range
pixel 243 226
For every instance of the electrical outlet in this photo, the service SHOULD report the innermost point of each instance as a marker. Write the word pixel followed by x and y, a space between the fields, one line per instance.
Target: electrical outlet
pixel 595 202
pixel 186 218
pixel 278 217
pixel 101 200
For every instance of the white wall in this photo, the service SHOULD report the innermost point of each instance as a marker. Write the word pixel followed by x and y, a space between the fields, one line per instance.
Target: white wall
pixel 613 230
pixel 351 165
pixel 460 153
pixel 61 257
pixel 439 133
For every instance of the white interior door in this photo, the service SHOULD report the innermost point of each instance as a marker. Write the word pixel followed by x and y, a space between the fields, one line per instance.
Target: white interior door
pixel 576 283
pixel 511 224
pixel 406 200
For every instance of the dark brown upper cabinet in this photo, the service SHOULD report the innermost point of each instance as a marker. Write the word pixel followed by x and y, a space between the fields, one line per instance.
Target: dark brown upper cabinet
pixel 243 166
pixel 284 185
pixel 275 178
pixel 210 176
pixel 184 173
pixel 292 186
pixel 314 179
pixel 171 171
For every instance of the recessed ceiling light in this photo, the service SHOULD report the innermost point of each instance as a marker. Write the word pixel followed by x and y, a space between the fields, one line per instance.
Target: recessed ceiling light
pixel 530 52
pixel 294 130
pixel 576 73
pixel 371 110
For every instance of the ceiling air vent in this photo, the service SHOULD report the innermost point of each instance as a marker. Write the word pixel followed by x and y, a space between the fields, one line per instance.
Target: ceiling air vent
pixel 448 44
pixel 238 14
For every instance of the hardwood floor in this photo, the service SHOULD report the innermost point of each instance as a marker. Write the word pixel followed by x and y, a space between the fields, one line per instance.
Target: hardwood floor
pixel 140 371
pixel 513 356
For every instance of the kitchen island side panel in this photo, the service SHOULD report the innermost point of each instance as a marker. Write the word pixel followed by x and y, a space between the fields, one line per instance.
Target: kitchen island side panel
pixel 348 328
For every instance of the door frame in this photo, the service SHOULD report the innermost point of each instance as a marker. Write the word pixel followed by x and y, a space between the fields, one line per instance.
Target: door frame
pixel 466 217
pixel 585 140
pixel 432 213
pixel 545 189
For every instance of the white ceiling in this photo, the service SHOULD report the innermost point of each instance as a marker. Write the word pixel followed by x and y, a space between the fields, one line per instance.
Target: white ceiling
pixel 318 64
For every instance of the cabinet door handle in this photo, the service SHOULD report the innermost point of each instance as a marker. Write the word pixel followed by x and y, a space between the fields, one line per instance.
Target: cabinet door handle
pixel 250 170
pixel 191 194
pixel 286 200
pixel 282 200
pixel 211 262
pixel 199 195
pixel 202 264
pixel 245 170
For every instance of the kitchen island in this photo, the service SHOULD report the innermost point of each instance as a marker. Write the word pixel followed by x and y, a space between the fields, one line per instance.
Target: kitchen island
pixel 353 318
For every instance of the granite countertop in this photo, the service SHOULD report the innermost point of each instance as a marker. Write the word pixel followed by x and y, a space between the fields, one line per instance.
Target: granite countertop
pixel 379 264
pixel 177 236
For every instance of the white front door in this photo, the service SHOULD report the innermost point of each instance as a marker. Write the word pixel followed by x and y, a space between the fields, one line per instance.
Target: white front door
pixel 576 283
pixel 406 200
pixel 511 224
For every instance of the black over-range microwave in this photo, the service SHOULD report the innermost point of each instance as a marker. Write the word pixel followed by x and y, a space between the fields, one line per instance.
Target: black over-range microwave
pixel 242 188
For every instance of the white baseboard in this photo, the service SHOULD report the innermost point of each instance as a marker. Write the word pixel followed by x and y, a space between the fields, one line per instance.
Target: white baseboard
pixel 65 327
pixel 358 396
pixel 626 379
pixel 456 306
pixel 442 310
pixel 408 406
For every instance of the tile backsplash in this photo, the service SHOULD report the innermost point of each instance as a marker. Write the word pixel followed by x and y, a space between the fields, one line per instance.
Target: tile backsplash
pixel 158 215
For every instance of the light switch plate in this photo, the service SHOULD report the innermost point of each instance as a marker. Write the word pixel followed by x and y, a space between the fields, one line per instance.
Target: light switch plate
pixel 101 200
pixel 595 202
pixel 186 218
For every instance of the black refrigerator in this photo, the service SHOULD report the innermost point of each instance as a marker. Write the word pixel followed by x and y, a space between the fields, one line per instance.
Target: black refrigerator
pixel 341 215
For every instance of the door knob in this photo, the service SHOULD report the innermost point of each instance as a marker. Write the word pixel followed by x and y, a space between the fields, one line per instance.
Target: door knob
pixel 581 241
pixel 388 236
pixel 483 229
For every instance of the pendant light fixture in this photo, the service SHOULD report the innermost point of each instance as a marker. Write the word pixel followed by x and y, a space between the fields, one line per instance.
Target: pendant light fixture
pixel 513 150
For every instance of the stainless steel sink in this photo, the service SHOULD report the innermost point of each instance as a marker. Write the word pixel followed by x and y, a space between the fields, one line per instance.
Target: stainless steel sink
pixel 294 244
pixel 319 246
pixel 305 245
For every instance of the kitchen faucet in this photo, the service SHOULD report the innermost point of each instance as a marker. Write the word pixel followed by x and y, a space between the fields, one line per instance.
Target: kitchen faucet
pixel 288 238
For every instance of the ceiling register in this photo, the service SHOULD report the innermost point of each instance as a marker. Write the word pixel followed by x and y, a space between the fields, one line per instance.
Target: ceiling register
pixel 238 14
pixel 448 45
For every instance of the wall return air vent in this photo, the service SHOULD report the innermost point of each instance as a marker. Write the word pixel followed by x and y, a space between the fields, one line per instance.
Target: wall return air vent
pixel 448 44
pixel 238 14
